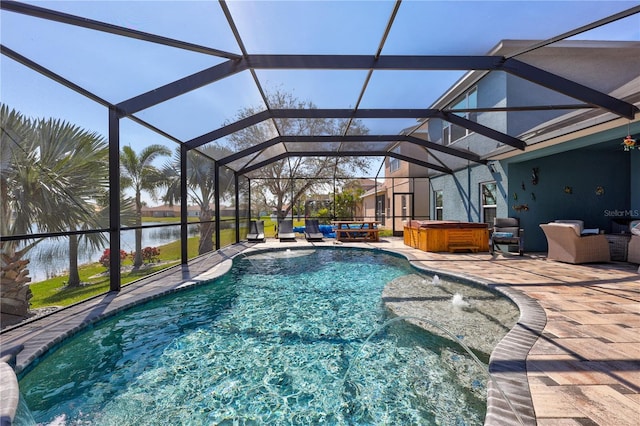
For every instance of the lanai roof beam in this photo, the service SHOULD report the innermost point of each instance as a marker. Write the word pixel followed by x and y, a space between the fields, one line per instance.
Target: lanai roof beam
pixel 392 62
pixel 353 138
pixel 78 21
pixel 342 154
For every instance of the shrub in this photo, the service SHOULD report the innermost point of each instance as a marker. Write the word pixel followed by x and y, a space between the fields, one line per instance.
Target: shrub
pixel 105 259
pixel 151 254
pixel 324 216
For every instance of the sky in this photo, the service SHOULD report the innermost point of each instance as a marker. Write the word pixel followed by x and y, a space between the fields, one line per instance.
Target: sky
pixel 117 68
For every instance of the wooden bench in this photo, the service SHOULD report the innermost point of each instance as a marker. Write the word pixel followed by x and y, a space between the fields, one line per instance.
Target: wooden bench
pixel 358 235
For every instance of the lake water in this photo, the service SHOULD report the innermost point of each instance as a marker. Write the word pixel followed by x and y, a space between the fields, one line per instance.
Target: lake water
pixel 51 256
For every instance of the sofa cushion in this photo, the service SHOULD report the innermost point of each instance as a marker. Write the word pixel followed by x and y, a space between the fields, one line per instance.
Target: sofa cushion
pixel 503 234
pixel 577 222
pixel 590 231
pixel 576 227
pixel 635 227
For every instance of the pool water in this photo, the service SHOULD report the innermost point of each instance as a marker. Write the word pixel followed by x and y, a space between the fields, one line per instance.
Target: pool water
pixel 286 337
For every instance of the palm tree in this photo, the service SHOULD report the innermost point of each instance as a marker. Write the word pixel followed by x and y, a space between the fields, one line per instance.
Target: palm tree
pixel 138 173
pixel 15 144
pixel 80 159
pixel 201 186
pixel 46 185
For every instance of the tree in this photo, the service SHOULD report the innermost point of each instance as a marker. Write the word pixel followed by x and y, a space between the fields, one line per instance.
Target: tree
pixel 278 189
pixel 201 176
pixel 46 186
pixel 347 200
pixel 15 144
pixel 139 173
pixel 80 160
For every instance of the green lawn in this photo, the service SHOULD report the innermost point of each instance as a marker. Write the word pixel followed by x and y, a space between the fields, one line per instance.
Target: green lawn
pixel 53 292
pixel 270 226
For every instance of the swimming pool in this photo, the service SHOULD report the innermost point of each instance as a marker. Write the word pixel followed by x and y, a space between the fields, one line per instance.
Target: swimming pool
pixel 287 337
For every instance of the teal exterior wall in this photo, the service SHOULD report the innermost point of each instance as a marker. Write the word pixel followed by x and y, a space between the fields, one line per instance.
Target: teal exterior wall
pixel 635 180
pixel 583 171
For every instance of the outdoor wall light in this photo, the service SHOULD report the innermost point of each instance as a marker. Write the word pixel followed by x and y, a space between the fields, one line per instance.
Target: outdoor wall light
pixel 492 167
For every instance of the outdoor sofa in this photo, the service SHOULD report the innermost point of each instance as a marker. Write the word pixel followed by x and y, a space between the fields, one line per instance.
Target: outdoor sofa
pixel 633 250
pixel 568 243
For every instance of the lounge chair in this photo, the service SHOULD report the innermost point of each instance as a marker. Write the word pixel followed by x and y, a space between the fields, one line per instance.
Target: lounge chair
pixel 312 230
pixel 285 230
pixel 567 243
pixel 507 231
pixel 256 232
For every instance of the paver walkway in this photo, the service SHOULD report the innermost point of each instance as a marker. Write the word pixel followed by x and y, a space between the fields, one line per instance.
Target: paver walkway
pixel 583 369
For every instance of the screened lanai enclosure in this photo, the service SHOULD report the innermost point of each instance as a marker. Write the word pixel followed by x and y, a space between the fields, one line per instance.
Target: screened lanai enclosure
pixel 139 135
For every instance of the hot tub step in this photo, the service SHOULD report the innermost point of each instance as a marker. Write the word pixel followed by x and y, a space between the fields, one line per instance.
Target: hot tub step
pixel 473 249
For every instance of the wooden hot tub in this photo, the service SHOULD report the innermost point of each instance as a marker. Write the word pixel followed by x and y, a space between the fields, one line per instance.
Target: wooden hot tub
pixel 439 236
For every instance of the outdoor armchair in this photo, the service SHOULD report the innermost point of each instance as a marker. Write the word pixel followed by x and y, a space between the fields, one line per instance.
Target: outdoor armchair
pixel 507 232
pixel 566 244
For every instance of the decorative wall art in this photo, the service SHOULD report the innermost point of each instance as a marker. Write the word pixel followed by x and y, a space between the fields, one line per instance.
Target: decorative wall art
pixel 629 143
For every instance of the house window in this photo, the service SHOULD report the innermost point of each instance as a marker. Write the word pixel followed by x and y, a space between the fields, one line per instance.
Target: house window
pixel 489 196
pixel 438 197
pixel 394 163
pixel 451 132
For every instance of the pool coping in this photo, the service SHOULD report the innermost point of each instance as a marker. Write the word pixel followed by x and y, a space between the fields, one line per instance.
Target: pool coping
pixel 23 344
